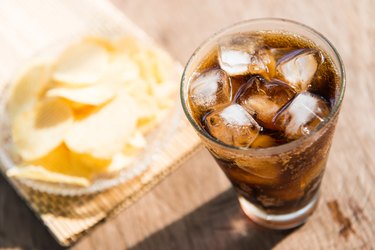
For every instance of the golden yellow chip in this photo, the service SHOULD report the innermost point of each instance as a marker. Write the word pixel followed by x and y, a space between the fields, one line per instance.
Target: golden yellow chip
pixel 40 130
pixel 63 161
pixel 81 64
pixel 95 165
pixel 62 166
pixel 27 88
pixel 91 95
pixel 41 174
pixel 104 132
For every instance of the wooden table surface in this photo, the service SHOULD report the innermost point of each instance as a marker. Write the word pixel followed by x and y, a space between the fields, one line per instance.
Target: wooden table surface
pixel 195 207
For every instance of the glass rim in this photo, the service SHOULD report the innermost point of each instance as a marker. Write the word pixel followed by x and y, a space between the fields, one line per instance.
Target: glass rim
pixel 278 148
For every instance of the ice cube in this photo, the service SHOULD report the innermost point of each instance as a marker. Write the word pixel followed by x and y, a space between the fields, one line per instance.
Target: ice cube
pixel 266 169
pixel 210 89
pixel 245 55
pixel 263 63
pixel 263 99
pixel 234 62
pixel 298 68
pixel 304 113
pixel 242 42
pixel 264 141
pixel 279 53
pixel 232 125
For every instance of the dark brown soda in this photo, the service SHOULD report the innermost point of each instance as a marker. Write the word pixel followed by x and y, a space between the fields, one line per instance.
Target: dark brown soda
pixel 324 84
pixel 299 174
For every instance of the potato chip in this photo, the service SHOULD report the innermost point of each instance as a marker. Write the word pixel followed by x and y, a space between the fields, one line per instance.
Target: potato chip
pixel 139 89
pixel 151 109
pixel 41 174
pixel 94 165
pixel 147 108
pixel 120 69
pixel 120 161
pixel 26 89
pixel 91 95
pixel 82 111
pixel 129 154
pixel 104 132
pixel 87 113
pixel 128 45
pixel 101 41
pixel 63 166
pixel 138 140
pixel 81 64
pixel 40 130
pixel 164 94
pixel 62 160
pixel 155 65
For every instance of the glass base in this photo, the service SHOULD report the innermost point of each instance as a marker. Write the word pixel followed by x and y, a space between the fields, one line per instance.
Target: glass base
pixel 278 221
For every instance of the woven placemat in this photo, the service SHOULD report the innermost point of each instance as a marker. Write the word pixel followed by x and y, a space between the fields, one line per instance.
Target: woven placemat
pixel 29 26
pixel 69 218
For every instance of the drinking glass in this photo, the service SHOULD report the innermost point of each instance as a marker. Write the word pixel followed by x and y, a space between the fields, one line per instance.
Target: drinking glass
pixel 265 197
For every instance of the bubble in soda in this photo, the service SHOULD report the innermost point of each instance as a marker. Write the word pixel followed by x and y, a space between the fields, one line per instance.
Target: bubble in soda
pixel 210 89
pixel 298 68
pixel 263 99
pixel 302 115
pixel 232 125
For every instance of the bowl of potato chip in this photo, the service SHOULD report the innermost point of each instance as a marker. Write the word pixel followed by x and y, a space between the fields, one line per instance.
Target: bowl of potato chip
pixel 87 116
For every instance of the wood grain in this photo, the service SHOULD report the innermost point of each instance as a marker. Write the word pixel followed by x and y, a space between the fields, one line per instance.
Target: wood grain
pixel 195 208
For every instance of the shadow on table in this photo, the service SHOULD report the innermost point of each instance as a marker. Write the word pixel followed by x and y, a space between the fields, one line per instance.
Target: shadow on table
pixel 19 228
pixel 218 224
